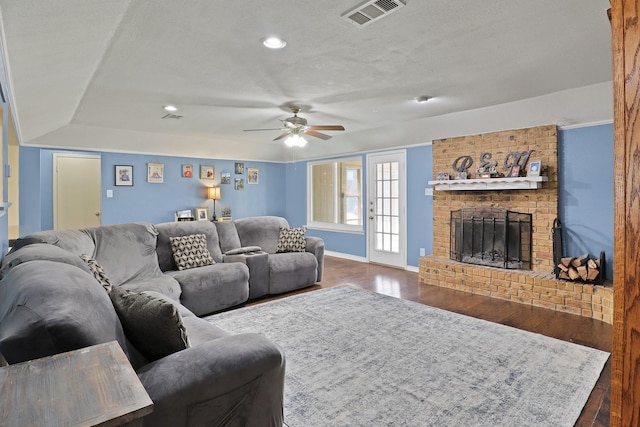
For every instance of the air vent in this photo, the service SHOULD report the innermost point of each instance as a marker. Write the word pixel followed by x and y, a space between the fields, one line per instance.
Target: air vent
pixel 371 11
pixel 172 116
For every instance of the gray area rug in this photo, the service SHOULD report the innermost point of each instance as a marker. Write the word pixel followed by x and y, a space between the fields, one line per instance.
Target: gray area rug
pixel 356 358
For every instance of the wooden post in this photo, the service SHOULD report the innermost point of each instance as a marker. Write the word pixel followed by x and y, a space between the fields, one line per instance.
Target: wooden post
pixel 625 378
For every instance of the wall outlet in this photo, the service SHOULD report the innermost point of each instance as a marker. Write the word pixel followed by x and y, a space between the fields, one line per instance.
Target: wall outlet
pixel 422 252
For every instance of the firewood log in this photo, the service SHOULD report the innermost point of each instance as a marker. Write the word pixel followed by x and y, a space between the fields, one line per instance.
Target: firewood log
pixel 566 261
pixel 582 272
pixel 581 260
pixel 573 274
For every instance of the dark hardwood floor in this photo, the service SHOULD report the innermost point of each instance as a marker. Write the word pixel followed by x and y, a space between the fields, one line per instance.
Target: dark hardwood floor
pixel 404 284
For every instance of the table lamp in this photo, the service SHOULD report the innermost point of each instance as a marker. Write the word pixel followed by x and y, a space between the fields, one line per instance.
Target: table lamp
pixel 213 193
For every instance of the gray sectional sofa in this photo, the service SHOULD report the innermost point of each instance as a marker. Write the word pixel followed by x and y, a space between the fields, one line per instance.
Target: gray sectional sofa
pixel 52 301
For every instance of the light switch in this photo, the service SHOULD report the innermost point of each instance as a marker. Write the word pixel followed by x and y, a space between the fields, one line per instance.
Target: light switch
pixel 428 191
pixel 109 193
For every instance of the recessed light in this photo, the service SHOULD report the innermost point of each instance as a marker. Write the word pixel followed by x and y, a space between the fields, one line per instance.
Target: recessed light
pixel 423 98
pixel 170 108
pixel 274 43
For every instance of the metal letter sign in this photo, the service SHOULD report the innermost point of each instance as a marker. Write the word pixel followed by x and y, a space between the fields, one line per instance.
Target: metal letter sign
pixel 517 158
pixel 459 166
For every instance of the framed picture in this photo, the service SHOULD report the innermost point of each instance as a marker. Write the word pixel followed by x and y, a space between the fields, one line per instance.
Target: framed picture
pixel 252 175
pixel 155 173
pixel 515 171
pixel 239 185
pixel 202 213
pixel 239 168
pixel 207 172
pixel 534 168
pixel 124 175
pixel 443 176
pixel 225 178
pixel 187 171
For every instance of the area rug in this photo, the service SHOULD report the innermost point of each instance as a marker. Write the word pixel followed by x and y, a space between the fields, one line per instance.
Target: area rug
pixel 356 358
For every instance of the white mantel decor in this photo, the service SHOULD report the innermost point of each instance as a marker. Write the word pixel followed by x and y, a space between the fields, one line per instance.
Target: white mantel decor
pixel 489 184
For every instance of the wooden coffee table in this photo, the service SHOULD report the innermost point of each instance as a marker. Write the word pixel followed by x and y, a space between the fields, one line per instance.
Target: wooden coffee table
pixel 93 386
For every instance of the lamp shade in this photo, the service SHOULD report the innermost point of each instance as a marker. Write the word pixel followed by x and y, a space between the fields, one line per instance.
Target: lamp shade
pixel 213 193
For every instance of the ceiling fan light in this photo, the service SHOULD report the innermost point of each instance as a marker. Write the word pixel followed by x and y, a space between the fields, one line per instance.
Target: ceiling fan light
pixel 170 108
pixel 295 141
pixel 274 43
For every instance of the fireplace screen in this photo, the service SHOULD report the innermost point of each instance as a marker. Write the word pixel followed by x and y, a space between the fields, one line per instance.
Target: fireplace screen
pixel 491 236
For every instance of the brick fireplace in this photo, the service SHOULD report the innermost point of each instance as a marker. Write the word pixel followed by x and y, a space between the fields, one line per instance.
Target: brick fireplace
pixel 538 285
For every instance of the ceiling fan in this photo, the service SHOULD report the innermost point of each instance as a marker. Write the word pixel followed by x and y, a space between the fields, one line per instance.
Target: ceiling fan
pixel 294 127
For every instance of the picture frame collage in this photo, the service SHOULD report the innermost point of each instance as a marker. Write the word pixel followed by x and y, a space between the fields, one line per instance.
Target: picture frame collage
pixel 123 174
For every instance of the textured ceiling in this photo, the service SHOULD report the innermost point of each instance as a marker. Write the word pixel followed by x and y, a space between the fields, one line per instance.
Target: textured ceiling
pixel 94 74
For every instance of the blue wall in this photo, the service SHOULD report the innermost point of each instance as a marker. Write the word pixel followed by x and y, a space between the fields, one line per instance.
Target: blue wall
pixel 585 183
pixel 585 194
pixel 148 201
pixel 419 207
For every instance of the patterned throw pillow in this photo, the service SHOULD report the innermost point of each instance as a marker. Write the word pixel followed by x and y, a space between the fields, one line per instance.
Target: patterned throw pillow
pixel 191 251
pixel 153 325
pixel 98 271
pixel 292 239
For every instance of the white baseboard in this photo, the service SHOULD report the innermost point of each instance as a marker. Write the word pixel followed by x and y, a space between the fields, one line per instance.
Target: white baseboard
pixel 364 259
pixel 346 256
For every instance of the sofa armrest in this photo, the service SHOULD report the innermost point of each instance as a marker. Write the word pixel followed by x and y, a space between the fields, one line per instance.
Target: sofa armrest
pixel 232 380
pixel 315 245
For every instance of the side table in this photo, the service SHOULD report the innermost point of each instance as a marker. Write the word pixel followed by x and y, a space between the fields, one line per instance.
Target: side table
pixel 92 386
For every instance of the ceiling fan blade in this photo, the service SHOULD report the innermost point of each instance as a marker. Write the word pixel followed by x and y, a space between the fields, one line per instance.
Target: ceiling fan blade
pixel 256 130
pixel 317 134
pixel 282 136
pixel 327 127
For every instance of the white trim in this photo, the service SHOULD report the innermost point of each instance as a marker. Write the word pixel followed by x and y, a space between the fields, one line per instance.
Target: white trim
pixel 412 269
pixel 336 228
pixel 327 226
pixel 586 125
pixel 362 153
pixel 346 256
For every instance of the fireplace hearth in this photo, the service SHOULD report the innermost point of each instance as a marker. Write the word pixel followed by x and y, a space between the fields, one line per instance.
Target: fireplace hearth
pixel 491 236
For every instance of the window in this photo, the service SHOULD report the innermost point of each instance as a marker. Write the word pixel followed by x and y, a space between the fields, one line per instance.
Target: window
pixel 334 195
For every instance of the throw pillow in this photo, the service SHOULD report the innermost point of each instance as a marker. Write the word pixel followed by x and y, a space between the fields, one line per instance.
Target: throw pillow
pixel 190 251
pixel 292 239
pixel 97 271
pixel 153 326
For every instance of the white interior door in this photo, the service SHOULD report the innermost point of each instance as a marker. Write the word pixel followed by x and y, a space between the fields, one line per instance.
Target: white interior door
pixel 76 191
pixel 386 208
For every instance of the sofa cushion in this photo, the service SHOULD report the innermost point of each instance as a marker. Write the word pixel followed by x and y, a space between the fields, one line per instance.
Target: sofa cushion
pixel 40 251
pixel 184 228
pixel 75 241
pixel 213 287
pixel 190 251
pixel 290 271
pixel 292 239
pixel 48 307
pixel 263 231
pixel 153 325
pixel 228 236
pixel 127 252
pixel 164 284
pixel 97 271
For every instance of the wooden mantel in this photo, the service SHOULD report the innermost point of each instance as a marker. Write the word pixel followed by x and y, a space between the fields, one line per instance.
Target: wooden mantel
pixel 625 377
